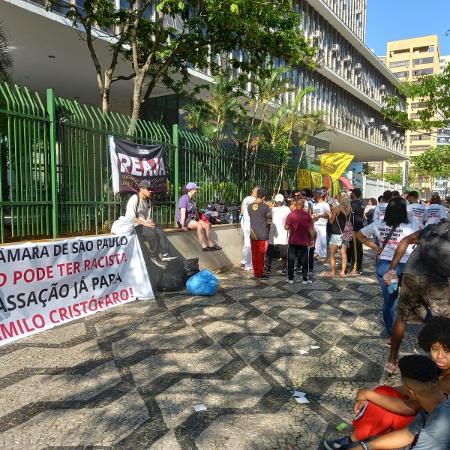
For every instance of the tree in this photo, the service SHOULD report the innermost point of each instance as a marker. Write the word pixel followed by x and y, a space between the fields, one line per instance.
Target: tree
pixel 433 92
pixel 163 43
pixel 5 57
pixel 394 177
pixel 433 163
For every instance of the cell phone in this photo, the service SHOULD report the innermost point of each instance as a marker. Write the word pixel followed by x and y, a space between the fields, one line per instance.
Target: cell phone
pixel 361 412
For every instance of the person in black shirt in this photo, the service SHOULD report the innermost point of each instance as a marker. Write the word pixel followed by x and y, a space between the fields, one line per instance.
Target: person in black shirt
pixel 259 214
pixel 355 248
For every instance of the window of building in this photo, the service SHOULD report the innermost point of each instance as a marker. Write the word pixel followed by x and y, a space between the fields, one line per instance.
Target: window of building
pixel 419 137
pixel 402 74
pixel 419 72
pixel 399 52
pixel 399 63
pixel 424 49
pixel 418 148
pixel 417 105
pixel 419 61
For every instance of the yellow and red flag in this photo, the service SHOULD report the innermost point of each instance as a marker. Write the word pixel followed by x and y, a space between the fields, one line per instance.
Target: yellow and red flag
pixel 334 164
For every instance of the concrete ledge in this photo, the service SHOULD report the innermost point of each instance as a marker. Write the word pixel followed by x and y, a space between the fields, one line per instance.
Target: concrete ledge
pixel 229 237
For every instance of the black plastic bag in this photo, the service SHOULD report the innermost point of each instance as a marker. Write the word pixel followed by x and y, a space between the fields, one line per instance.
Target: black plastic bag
pixel 191 267
pixel 171 282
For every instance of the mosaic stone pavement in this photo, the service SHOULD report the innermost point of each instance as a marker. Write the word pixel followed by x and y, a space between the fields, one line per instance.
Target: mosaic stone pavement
pixel 129 378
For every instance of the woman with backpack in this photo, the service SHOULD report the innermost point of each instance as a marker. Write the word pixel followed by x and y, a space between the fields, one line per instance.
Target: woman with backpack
pixel 389 233
pixel 341 221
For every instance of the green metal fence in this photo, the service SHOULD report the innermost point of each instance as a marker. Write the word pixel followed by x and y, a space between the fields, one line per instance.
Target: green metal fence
pixel 56 176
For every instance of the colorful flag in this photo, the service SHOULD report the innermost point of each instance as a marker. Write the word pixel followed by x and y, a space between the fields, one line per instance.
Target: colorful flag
pixel 334 164
pixel 304 179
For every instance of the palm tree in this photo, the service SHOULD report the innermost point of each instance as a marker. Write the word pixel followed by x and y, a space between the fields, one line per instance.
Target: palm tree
pixel 5 57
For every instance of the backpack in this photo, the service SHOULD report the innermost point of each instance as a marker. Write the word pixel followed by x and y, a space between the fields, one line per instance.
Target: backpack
pixel 347 233
pixel 434 248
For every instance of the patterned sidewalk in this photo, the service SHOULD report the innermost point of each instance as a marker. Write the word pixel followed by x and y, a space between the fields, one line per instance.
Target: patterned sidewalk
pixel 129 378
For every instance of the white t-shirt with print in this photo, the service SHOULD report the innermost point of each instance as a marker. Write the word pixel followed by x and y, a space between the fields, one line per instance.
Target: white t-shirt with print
pixel 419 212
pixel 380 212
pixel 142 209
pixel 380 230
pixel 278 235
pixel 245 204
pixel 321 208
pixel 436 213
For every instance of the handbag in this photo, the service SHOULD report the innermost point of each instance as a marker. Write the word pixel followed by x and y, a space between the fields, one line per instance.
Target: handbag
pixel 125 225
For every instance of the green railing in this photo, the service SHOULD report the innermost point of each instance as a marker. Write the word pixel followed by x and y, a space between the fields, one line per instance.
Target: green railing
pixel 56 176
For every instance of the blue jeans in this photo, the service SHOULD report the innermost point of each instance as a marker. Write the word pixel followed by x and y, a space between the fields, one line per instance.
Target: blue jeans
pixel 390 300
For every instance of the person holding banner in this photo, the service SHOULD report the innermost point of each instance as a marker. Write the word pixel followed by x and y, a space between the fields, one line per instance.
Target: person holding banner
pixel 139 208
pixel 188 218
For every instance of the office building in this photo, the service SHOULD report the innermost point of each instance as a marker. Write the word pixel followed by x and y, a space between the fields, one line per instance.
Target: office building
pixel 350 82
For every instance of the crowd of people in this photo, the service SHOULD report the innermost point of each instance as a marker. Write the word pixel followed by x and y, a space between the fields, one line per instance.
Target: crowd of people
pixel 411 245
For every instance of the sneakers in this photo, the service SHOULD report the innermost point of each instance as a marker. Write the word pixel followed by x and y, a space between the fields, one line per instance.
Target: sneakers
pixel 158 262
pixel 342 443
pixel 290 281
pixel 165 257
pixel 308 281
pixel 283 271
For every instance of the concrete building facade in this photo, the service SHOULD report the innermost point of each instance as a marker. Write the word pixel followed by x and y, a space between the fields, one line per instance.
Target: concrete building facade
pixel 349 84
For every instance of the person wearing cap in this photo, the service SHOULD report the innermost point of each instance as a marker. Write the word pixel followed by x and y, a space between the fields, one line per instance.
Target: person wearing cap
pixel 246 259
pixel 278 235
pixel 140 208
pixel 320 215
pixel 355 247
pixel 188 218
pixel 259 214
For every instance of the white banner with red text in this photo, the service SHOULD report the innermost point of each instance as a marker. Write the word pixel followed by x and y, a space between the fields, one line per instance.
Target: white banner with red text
pixel 46 284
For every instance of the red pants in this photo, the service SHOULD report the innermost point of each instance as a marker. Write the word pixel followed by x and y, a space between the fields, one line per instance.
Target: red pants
pixel 259 249
pixel 376 420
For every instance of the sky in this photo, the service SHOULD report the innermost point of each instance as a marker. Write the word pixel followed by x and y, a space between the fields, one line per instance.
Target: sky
pixel 390 20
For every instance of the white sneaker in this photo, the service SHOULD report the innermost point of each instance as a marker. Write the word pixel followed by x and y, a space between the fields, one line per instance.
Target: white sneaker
pixel 305 282
pixel 158 263
pixel 310 281
pixel 165 257
pixel 290 281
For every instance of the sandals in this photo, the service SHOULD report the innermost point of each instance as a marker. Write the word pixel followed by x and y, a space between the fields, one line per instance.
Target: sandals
pixel 211 249
pixel 391 368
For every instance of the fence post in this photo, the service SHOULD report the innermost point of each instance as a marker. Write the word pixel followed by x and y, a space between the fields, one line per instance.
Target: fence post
pixel 51 111
pixel 176 178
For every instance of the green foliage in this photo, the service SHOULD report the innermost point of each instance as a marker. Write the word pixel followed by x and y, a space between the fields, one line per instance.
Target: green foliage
pixel 433 163
pixel 395 177
pixel 431 90
pixel 5 58
pixel 190 33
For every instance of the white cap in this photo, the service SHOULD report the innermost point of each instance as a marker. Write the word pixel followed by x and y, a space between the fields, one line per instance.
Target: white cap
pixel 279 198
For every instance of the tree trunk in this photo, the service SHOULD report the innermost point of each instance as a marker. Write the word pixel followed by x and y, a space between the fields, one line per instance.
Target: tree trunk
pixel 137 100
pixel 106 92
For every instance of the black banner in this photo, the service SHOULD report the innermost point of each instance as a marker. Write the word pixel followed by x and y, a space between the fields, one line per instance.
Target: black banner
pixel 131 163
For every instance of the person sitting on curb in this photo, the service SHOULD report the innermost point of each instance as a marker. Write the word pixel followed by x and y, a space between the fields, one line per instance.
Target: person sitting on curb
pixel 139 208
pixel 421 392
pixel 188 218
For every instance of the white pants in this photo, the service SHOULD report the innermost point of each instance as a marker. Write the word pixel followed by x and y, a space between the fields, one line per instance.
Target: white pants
pixel 246 259
pixel 321 241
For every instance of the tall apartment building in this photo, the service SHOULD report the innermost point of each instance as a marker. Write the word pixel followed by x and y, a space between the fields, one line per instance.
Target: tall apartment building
pixel 349 84
pixel 410 59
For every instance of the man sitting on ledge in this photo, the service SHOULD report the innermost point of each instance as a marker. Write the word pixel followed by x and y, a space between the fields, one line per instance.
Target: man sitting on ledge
pixel 139 207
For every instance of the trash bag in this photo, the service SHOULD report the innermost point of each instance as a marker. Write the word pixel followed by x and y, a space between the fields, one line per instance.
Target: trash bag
pixel 173 277
pixel 170 282
pixel 203 283
pixel 190 267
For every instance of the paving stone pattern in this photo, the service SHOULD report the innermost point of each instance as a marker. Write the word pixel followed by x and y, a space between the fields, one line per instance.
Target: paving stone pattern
pixel 129 378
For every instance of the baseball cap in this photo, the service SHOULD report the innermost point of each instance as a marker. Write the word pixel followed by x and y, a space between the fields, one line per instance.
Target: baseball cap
pixel 145 184
pixel 191 186
pixel 279 198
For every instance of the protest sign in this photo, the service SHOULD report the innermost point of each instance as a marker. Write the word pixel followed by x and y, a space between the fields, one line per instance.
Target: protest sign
pixel 43 285
pixel 132 163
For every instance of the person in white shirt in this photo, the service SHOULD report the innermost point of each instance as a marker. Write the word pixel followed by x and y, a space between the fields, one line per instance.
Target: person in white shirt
pixel 321 212
pixel 436 212
pixel 389 233
pixel 416 209
pixel 380 210
pixel 246 259
pixel 278 235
